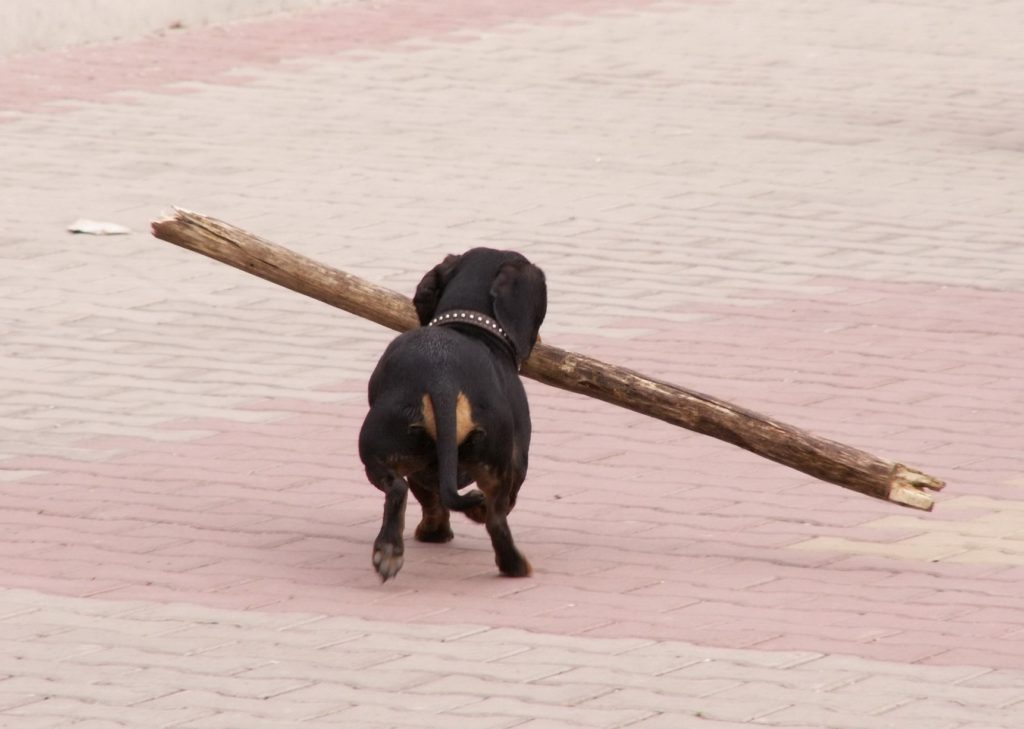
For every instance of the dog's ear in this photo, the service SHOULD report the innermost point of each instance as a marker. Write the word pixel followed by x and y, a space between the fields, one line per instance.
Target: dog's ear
pixel 520 296
pixel 431 286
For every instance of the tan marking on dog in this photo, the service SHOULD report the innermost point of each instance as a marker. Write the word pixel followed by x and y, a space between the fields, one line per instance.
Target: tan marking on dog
pixel 464 423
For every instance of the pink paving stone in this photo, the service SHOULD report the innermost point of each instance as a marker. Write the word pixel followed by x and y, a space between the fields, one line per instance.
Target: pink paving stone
pixel 909 572
pixel 733 637
pixel 909 612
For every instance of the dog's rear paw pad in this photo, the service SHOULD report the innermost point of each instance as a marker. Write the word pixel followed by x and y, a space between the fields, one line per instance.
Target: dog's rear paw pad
pixel 387 560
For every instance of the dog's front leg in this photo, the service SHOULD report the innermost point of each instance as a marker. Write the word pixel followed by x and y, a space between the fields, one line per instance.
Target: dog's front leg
pixel 389 548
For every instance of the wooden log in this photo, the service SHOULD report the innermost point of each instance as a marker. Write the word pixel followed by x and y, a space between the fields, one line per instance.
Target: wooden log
pixel 819 457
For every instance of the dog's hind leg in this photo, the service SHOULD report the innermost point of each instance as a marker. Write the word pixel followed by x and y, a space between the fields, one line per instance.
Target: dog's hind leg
pixel 435 526
pixel 498 489
pixel 390 449
pixel 389 547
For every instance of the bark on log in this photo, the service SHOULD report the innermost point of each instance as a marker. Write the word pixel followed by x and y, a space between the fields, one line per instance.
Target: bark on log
pixel 819 457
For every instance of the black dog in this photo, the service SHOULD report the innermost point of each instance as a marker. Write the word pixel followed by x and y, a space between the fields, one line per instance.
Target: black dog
pixel 447 407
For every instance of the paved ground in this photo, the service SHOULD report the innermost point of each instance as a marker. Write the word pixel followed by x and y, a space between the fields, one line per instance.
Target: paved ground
pixel 812 210
pixel 31 26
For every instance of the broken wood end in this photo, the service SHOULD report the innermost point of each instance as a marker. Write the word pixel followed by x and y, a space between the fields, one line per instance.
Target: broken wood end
pixel 908 488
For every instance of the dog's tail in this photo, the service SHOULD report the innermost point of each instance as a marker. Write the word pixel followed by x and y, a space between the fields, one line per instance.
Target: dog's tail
pixel 445 403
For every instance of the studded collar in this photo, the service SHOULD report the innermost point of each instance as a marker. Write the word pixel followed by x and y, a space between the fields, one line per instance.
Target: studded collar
pixel 475 319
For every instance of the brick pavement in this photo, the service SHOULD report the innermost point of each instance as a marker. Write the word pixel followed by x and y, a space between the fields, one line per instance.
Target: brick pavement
pixel 808 211
pixel 33 27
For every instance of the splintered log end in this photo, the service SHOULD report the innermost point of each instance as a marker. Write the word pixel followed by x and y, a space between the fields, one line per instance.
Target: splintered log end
pixel 175 214
pixel 168 227
pixel 908 488
pixel 155 226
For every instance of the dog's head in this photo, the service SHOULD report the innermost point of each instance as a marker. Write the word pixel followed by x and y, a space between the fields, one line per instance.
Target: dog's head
pixel 502 284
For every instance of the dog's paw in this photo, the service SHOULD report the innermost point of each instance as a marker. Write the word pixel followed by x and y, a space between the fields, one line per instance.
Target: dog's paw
pixel 436 533
pixel 387 560
pixel 515 567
